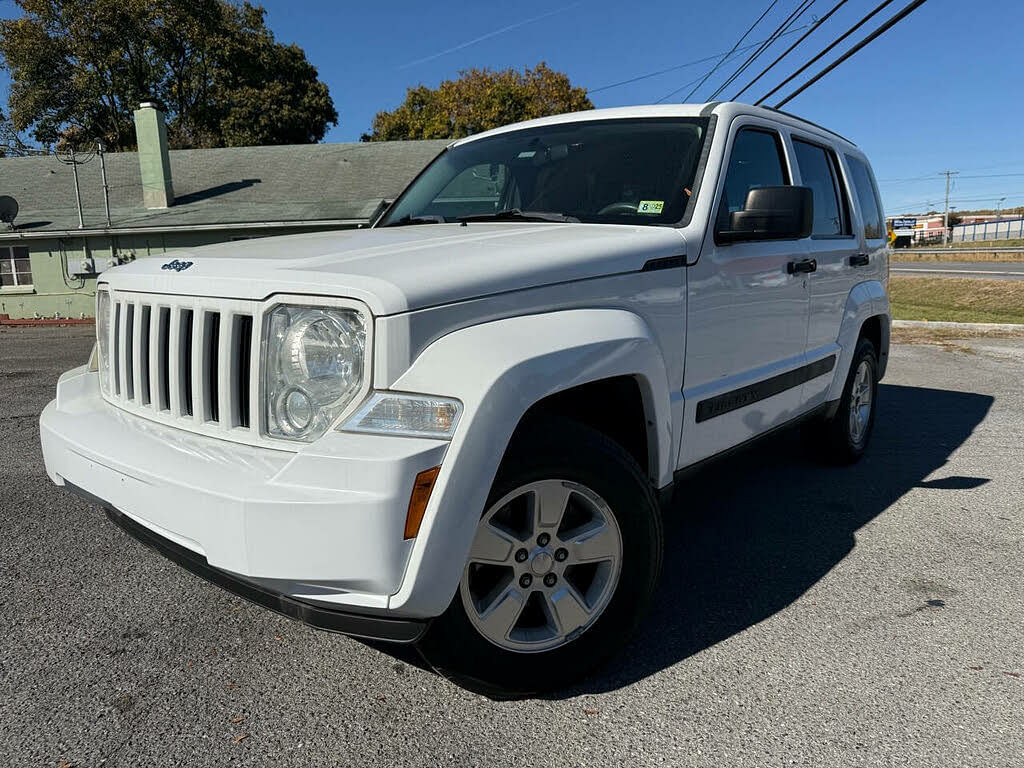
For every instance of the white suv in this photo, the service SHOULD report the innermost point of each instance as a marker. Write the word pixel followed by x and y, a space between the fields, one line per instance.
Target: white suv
pixel 457 428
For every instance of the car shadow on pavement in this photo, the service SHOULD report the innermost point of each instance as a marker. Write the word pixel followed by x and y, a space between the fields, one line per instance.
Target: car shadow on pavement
pixel 749 534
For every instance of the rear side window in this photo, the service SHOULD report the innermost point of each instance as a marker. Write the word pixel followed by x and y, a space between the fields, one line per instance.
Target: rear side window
pixel 867 197
pixel 756 161
pixel 819 171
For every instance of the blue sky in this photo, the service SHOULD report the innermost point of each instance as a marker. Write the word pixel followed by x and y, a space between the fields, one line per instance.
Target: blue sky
pixel 941 90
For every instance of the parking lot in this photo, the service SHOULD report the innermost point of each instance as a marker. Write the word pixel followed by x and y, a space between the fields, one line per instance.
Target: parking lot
pixel 812 616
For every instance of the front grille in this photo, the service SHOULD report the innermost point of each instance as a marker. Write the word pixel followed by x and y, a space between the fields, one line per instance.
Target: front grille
pixel 186 361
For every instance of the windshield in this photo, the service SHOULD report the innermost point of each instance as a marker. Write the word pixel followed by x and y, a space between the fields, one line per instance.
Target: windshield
pixel 636 171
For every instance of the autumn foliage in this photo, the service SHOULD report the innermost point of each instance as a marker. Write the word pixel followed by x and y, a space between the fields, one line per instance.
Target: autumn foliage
pixel 479 99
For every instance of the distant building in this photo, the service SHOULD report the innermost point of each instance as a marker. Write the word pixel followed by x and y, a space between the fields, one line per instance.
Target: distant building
pixel 161 200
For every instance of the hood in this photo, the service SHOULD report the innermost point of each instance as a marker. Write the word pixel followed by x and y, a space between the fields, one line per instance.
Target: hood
pixel 399 269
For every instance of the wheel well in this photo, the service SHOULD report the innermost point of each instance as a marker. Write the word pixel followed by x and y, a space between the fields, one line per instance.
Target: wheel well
pixel 872 331
pixel 614 407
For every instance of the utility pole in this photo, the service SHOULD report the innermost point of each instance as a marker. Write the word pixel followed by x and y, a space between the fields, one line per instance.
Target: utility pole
pixel 78 195
pixel 103 176
pixel 945 217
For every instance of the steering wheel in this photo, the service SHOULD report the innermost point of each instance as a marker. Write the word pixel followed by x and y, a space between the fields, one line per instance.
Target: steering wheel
pixel 621 207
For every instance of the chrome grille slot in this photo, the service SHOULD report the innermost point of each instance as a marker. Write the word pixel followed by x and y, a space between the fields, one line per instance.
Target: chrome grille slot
pixel 185 361
pixel 211 357
pixel 115 347
pixel 141 355
pixel 159 352
pixel 129 351
pixel 241 360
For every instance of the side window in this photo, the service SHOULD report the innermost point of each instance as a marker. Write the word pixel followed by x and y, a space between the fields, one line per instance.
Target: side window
pixel 867 197
pixel 15 268
pixel 819 170
pixel 756 161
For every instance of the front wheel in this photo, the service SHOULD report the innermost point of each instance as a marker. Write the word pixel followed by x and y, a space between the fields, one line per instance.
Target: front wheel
pixel 563 564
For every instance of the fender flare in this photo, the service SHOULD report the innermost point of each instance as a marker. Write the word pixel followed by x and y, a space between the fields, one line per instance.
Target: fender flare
pixel 866 300
pixel 499 370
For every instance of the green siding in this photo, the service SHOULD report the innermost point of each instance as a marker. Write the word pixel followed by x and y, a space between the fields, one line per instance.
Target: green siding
pixel 55 292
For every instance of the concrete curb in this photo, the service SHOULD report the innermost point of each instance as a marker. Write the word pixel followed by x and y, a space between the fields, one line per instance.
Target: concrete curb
pixel 959 326
pixel 9 321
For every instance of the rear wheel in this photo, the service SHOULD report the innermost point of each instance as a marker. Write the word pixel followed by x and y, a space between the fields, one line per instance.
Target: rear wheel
pixel 842 438
pixel 563 564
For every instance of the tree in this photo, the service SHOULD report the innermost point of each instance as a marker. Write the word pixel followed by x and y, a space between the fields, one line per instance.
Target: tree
pixel 80 67
pixel 11 143
pixel 477 100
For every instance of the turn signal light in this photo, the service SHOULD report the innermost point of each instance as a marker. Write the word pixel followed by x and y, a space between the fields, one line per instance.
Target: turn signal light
pixel 421 489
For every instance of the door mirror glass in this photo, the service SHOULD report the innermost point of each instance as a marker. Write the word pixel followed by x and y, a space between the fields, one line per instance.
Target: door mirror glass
pixel 771 213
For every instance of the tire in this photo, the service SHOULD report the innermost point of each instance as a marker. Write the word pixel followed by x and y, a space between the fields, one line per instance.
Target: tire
pixel 843 438
pixel 606 494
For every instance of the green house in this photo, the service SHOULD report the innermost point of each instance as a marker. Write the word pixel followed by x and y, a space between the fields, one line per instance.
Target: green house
pixel 133 205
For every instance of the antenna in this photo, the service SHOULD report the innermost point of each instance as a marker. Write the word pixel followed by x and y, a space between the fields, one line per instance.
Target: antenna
pixel 8 210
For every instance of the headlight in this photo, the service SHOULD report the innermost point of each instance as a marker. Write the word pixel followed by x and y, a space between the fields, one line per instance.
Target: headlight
pixel 395 413
pixel 313 365
pixel 103 338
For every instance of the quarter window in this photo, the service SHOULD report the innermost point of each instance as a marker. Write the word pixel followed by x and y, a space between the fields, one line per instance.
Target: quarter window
pixel 867 197
pixel 819 170
pixel 756 161
pixel 15 268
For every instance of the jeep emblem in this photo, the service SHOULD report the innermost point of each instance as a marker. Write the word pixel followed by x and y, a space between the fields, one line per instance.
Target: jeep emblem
pixel 176 265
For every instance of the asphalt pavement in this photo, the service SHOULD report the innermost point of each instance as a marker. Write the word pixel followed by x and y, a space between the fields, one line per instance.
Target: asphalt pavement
pixel 810 616
pixel 987 270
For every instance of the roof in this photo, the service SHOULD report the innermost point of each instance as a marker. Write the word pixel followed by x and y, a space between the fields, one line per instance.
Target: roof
pixel 727 109
pixel 213 187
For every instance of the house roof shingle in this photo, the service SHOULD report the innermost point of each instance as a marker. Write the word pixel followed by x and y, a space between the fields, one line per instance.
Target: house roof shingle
pixel 234 185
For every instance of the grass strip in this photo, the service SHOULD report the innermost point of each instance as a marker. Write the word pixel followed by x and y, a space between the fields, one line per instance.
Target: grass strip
pixel 957 300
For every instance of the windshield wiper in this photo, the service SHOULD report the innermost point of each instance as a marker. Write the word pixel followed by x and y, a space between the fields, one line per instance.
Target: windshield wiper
pixel 517 214
pixel 409 219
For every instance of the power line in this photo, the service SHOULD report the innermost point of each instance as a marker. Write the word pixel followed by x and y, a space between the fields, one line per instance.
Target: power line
pixel 842 37
pixel 711 71
pixel 666 70
pixel 789 20
pixel 907 10
pixel 789 50
pixel 936 204
pixel 687 84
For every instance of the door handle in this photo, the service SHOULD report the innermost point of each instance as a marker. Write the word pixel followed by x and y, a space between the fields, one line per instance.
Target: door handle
pixel 806 265
pixel 860 260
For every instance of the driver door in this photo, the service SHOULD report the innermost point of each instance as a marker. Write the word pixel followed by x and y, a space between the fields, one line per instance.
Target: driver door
pixel 747 313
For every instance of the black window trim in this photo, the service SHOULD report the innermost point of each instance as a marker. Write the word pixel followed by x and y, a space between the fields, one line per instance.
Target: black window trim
pixel 787 174
pixel 839 177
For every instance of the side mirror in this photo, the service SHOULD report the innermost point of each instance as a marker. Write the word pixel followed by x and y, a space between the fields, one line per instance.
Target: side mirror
pixel 771 213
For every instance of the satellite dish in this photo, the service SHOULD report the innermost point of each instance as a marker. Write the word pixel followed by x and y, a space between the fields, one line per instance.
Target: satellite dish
pixel 8 210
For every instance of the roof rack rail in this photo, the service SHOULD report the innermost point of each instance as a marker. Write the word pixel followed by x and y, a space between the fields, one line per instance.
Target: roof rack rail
pixel 805 120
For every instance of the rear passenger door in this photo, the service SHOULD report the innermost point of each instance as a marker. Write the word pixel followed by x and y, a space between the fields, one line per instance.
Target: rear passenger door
pixel 746 312
pixel 835 248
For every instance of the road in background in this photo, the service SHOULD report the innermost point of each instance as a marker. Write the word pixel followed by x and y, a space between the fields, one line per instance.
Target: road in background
pixel 989 270
pixel 859 616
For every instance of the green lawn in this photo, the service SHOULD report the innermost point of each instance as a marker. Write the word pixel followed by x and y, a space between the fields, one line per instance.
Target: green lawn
pixel 957 300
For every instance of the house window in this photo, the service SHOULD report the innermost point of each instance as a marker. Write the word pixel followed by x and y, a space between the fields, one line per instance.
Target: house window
pixel 15 269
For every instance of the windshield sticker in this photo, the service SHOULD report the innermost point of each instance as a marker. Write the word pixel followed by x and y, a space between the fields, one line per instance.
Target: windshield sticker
pixel 523 155
pixel 650 206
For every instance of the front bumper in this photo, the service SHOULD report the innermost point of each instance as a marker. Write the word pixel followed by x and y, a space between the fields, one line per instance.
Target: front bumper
pixel 318 530
pixel 357 625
